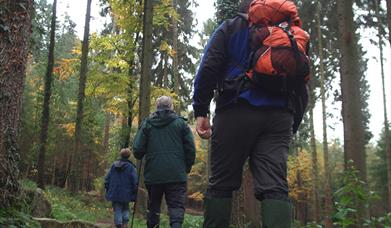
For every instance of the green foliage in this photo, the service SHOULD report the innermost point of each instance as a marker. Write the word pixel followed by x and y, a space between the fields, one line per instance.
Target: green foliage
pixel 127 16
pixel 99 185
pixel 364 92
pixel 67 206
pixel 63 94
pixel 165 52
pixel 28 184
pixel 162 14
pixel 207 30
pixel 198 177
pixel 348 198
pixel 378 169
pixel 19 214
pixel 17 217
pixel 226 9
pixel 313 225
pixel 384 221
pixel 193 221
pixel 41 18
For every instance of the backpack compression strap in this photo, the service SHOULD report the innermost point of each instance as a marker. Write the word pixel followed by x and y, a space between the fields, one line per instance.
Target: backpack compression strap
pixel 291 38
pixel 294 46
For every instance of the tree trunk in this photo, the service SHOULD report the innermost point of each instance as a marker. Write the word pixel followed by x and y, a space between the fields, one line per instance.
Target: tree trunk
pixel 175 73
pixel 130 99
pixel 315 171
pixel 165 72
pixel 15 30
pixel 145 81
pixel 53 181
pixel 251 206
pixel 387 151
pixel 145 85
pixel 130 104
pixel 245 208
pixel 76 159
pixel 327 187
pixel 159 76
pixel 88 179
pixel 106 136
pixel 208 163
pixel 389 19
pixel 46 101
pixel 354 144
pixel 300 206
pixel 237 213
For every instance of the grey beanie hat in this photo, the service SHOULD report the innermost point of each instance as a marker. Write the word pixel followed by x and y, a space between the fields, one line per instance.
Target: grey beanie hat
pixel 164 103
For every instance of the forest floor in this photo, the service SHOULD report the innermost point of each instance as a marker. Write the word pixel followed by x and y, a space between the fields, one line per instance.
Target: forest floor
pixel 191 221
pixel 67 206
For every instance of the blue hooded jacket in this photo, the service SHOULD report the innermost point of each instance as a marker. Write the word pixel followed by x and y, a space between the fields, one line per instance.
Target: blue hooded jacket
pixel 226 57
pixel 121 182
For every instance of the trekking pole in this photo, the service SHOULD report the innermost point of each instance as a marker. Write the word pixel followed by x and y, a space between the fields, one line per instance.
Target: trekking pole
pixel 140 163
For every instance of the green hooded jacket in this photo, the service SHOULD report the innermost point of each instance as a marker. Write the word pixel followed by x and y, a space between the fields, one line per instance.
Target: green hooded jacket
pixel 167 143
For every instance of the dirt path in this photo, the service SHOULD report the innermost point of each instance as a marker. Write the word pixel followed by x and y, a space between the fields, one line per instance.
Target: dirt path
pixel 105 223
pixel 194 212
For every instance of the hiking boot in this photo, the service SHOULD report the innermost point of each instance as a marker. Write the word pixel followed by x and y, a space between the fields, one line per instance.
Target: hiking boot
pixel 152 225
pixel 217 212
pixel 276 213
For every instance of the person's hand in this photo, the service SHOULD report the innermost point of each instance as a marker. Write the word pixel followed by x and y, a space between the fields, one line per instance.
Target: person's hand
pixel 203 127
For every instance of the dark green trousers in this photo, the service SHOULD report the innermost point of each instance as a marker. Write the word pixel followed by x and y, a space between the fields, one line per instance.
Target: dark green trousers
pixel 217 212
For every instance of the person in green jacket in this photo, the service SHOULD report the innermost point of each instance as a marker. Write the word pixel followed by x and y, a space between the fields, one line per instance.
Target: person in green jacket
pixel 167 143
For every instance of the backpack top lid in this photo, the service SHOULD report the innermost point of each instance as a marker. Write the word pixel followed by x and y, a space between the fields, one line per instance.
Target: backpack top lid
pixel 273 12
pixel 278 38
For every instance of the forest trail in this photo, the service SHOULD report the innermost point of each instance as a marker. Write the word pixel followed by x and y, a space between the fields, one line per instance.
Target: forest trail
pixel 195 212
pixel 105 223
pixel 108 223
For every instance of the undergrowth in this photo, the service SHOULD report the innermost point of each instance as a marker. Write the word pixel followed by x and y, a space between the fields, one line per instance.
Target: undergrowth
pixel 69 206
pixel 19 214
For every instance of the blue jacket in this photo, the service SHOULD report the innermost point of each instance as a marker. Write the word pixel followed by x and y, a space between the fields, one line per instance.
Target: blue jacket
pixel 121 182
pixel 226 57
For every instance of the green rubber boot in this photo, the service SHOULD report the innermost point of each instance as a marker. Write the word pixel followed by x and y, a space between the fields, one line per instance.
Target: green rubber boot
pixel 276 214
pixel 217 212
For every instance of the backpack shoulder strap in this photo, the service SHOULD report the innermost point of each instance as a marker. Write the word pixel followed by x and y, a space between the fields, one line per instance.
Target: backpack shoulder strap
pixel 243 15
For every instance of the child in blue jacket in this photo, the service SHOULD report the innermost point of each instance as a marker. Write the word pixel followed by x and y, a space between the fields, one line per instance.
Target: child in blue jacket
pixel 121 187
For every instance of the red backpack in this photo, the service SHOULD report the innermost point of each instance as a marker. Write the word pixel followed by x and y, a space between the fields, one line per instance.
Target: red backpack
pixel 279 46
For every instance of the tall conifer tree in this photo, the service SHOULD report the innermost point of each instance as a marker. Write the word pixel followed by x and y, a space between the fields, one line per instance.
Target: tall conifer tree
pixel 46 102
pixel 75 161
pixel 354 140
pixel 15 31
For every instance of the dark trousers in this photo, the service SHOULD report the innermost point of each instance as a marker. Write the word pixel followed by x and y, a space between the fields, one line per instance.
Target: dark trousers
pixel 263 135
pixel 175 194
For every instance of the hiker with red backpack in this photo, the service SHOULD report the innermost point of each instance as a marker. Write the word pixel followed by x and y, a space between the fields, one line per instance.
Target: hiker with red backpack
pixel 257 63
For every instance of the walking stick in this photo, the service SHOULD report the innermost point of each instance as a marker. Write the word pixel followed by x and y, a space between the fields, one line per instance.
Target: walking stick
pixel 140 163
